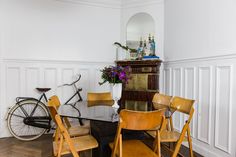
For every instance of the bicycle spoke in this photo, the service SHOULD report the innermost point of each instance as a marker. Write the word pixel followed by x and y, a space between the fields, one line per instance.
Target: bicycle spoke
pixel 17 126
pixel 18 116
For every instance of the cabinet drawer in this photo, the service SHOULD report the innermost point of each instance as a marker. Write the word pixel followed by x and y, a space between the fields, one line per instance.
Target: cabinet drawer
pixel 145 69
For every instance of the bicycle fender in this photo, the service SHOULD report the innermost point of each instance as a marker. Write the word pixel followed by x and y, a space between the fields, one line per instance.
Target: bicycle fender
pixel 21 100
pixel 8 112
pixel 10 108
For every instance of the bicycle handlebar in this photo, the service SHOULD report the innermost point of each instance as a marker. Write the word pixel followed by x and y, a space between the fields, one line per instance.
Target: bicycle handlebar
pixel 66 84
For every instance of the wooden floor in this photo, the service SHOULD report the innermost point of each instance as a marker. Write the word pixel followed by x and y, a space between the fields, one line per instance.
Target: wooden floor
pixel 11 147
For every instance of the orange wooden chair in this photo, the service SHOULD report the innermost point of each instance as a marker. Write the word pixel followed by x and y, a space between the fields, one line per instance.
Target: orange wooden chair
pixel 184 106
pixel 103 98
pixel 137 120
pixel 64 144
pixel 74 130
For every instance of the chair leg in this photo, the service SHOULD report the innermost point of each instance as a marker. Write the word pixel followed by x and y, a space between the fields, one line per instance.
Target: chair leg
pixel 190 143
pixel 178 144
pixel 177 148
pixel 168 125
pixel 171 124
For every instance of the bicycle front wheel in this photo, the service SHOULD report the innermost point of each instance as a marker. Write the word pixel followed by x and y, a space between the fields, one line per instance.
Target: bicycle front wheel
pixel 16 117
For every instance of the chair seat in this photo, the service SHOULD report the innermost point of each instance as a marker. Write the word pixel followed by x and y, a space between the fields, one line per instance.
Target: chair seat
pixel 81 143
pixel 170 136
pixel 135 148
pixel 78 131
pixel 167 136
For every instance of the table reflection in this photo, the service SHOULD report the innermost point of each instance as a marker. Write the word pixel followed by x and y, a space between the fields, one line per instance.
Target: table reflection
pixel 91 110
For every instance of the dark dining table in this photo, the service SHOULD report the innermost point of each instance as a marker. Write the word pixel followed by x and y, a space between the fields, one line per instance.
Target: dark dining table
pixel 103 122
pixel 100 110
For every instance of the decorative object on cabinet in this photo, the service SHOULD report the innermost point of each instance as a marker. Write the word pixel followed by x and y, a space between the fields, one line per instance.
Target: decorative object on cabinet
pixel 142 86
pixel 115 75
pixel 123 52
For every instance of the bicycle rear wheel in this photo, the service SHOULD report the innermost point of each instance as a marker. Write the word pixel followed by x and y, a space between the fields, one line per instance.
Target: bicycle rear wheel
pixel 16 124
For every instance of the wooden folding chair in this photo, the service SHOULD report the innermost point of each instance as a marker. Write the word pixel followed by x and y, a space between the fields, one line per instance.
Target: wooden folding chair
pixel 103 98
pixel 74 130
pixel 184 106
pixel 64 144
pixel 137 120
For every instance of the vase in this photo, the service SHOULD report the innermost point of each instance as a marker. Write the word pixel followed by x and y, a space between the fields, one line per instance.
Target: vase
pixel 116 90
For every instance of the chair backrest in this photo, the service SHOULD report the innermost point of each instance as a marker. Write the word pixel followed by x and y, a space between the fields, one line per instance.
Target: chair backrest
pixel 54 101
pixel 96 99
pixel 161 99
pixel 53 112
pixel 99 96
pixel 182 105
pixel 140 120
pixel 53 105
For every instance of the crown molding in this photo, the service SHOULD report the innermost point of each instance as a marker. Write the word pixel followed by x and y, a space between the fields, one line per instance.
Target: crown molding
pixel 139 3
pixel 53 61
pixel 201 59
pixel 116 4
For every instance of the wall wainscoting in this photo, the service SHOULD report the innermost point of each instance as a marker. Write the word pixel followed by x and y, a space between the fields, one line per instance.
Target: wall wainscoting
pixel 211 82
pixel 21 77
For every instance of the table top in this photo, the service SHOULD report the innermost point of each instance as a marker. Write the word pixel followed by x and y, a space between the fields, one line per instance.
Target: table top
pixel 99 110
pixel 91 110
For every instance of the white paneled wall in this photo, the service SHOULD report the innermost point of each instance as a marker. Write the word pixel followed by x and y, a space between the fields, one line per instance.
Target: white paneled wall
pixel 23 76
pixel 211 82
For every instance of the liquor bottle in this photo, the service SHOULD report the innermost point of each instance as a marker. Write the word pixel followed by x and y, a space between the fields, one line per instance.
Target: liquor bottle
pixel 153 45
pixel 149 45
pixel 140 49
pixel 145 50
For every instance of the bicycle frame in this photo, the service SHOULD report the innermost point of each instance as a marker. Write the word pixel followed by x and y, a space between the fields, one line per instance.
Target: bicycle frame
pixel 21 99
pixel 76 93
pixel 36 121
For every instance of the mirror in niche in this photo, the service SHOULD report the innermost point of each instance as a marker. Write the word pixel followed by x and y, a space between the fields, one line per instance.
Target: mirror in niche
pixel 140 28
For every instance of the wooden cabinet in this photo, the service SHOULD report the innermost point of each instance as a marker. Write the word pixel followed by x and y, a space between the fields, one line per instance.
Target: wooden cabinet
pixel 138 93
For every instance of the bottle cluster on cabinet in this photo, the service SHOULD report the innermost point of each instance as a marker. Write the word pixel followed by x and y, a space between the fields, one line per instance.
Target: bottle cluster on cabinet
pixel 147 47
pixel 144 83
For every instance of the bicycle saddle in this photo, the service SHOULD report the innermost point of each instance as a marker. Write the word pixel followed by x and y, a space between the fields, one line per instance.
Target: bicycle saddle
pixel 43 89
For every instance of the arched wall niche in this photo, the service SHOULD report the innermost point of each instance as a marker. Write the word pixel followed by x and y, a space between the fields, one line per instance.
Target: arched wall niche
pixel 156 11
pixel 139 27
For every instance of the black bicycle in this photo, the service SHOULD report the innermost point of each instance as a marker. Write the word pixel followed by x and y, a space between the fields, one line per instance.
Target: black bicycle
pixel 29 118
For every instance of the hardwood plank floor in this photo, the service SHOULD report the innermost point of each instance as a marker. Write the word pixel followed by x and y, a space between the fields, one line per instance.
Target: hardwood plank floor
pixel 42 147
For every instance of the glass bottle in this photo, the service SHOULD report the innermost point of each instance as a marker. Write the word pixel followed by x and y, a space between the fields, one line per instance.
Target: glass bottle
pixel 140 49
pixel 149 45
pixel 153 45
pixel 145 50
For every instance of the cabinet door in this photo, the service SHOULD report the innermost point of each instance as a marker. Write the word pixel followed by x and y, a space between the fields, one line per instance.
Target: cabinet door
pixel 138 82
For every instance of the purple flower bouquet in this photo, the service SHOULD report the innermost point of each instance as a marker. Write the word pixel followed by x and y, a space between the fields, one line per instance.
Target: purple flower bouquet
pixel 115 74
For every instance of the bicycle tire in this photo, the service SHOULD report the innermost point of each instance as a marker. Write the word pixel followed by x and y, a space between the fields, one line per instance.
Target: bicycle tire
pixel 15 122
